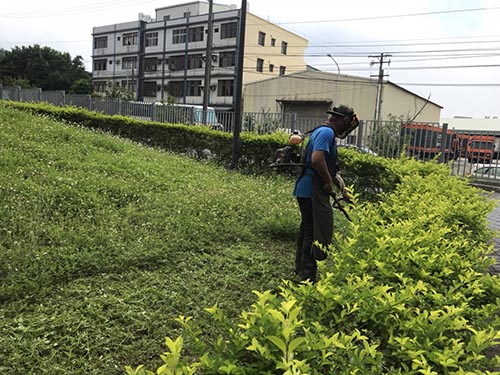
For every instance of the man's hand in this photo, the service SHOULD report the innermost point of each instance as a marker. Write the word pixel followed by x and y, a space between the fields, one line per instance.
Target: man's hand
pixel 340 182
pixel 328 187
pixel 343 190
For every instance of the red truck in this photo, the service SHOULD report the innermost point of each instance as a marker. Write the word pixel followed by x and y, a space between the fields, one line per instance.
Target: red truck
pixel 480 148
pixel 425 140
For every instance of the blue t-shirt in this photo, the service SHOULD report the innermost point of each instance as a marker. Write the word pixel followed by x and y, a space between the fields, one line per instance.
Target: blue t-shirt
pixel 322 139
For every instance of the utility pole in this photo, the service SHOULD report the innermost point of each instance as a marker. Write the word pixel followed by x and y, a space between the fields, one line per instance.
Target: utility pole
pixel 208 62
pixel 238 87
pixel 380 85
pixel 338 80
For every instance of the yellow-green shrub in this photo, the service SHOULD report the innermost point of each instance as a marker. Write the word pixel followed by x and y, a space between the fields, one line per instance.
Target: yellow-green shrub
pixel 406 292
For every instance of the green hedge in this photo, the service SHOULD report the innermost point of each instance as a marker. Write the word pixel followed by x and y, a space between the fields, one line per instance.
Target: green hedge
pixel 197 141
pixel 369 174
pixel 406 292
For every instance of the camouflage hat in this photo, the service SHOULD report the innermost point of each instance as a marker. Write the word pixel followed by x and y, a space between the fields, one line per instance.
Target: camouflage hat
pixel 342 110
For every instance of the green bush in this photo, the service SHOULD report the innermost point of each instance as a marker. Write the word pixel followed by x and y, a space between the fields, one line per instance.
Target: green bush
pixel 406 292
pixel 197 141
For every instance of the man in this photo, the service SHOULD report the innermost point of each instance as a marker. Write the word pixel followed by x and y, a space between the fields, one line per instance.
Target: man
pixel 314 187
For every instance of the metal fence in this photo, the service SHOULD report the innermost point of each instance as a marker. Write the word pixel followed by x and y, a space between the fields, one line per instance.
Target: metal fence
pixel 473 154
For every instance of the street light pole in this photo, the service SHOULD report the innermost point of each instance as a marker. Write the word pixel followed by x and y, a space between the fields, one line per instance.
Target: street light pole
pixel 338 78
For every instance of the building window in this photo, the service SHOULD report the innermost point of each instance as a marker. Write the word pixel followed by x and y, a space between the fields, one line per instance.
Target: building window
pixel 101 42
pixel 100 64
pixel 149 89
pixel 284 46
pixel 227 59
pixel 177 62
pixel 129 63
pixel 228 30
pixel 195 61
pixel 187 14
pixel 194 88
pixel 273 42
pixel 151 39
pixel 262 38
pixel 176 88
pixel 150 64
pixel 195 34
pixel 100 86
pixel 271 68
pixel 129 85
pixel 130 39
pixel 260 65
pixel 225 87
pixel 282 70
pixel 179 36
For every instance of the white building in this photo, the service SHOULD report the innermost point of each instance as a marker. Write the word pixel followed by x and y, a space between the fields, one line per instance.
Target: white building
pixel 162 57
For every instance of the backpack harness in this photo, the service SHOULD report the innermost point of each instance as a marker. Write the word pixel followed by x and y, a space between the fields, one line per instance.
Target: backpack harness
pixel 286 157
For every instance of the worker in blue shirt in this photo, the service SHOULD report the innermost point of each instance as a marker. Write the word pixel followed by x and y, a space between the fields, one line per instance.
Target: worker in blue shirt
pixel 314 187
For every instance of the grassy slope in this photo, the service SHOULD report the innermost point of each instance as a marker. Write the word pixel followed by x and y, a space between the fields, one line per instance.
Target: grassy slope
pixel 103 242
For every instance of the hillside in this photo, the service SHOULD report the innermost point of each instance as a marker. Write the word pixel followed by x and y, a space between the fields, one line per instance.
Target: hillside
pixel 103 242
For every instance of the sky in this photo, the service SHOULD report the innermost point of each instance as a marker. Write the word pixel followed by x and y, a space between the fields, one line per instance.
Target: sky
pixel 445 51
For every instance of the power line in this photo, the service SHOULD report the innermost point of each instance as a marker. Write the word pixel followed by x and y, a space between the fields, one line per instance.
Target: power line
pixel 389 16
pixel 87 8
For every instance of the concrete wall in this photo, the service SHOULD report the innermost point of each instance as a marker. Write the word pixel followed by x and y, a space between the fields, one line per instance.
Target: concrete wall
pixel 322 90
pixel 400 102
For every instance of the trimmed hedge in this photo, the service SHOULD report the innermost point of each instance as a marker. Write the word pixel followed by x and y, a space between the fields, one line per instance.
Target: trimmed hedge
pixel 371 175
pixel 197 141
pixel 406 292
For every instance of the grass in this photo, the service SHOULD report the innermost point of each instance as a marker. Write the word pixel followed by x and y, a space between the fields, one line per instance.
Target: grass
pixel 103 242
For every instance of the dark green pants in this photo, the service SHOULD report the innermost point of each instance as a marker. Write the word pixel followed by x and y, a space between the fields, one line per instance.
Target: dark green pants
pixel 316 225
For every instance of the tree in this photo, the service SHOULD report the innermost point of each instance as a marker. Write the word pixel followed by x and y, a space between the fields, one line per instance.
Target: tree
pixel 82 86
pixel 42 67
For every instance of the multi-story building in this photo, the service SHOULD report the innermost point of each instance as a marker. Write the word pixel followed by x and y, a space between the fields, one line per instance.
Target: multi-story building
pixel 165 57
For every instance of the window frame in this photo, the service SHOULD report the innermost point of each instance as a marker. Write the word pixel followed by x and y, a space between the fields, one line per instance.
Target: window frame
pixel 225 87
pixel 261 41
pixel 151 64
pixel 227 59
pixel 133 37
pixel 228 30
pixel 193 88
pixel 100 65
pixel 179 36
pixel 151 39
pixel 149 89
pixel 196 34
pixel 284 48
pixel 98 40
pixel 260 65
pixel 129 62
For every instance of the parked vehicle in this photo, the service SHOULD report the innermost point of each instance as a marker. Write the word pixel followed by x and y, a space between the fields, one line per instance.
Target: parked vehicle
pixel 480 148
pixel 425 140
pixel 172 113
pixel 485 172
pixel 186 114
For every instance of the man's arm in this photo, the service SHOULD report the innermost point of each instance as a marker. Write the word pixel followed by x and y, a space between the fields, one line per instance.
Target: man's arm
pixel 318 162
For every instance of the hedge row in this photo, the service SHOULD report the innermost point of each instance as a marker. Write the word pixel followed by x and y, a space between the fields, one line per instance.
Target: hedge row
pixel 406 292
pixel 370 175
pixel 198 141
